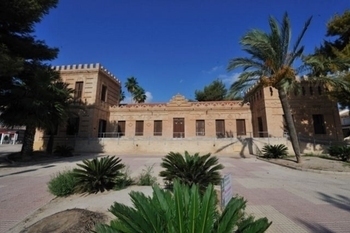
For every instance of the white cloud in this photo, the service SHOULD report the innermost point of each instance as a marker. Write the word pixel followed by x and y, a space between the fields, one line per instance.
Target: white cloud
pixel 129 99
pixel 229 78
pixel 149 97
pixel 181 80
pixel 212 70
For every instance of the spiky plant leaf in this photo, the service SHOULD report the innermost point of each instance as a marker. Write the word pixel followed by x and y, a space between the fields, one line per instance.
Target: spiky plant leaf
pixel 98 175
pixel 184 210
pixel 275 151
pixel 191 169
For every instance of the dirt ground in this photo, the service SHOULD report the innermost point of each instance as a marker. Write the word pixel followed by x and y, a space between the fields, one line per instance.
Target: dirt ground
pixel 63 218
pixel 315 164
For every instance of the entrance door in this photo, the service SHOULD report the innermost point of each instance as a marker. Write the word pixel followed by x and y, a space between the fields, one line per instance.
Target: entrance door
pixel 102 128
pixel 260 127
pixel 121 128
pixel 179 128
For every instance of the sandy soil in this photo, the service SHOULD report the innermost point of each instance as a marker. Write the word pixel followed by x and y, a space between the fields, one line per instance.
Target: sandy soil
pixel 101 202
pixel 315 164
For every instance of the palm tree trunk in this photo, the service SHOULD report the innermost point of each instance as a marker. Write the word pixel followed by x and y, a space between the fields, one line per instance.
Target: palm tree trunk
pixel 28 142
pixel 290 123
pixel 50 142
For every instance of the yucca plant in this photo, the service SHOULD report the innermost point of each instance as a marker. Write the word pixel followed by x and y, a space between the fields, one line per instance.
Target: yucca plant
pixel 191 169
pixel 184 210
pixel 98 175
pixel 275 151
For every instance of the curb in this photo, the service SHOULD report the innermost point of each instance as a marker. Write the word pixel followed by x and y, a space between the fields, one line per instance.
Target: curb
pixel 305 170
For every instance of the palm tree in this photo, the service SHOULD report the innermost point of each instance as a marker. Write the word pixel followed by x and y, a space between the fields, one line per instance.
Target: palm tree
pixel 139 95
pixel 131 84
pixel 271 64
pixel 39 103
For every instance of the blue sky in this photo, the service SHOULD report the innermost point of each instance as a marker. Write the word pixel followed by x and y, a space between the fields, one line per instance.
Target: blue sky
pixel 172 46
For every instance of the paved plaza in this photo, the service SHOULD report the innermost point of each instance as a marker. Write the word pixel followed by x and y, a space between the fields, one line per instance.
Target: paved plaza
pixel 295 201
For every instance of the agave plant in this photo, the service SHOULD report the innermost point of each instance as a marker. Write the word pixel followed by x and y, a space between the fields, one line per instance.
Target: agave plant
pixel 186 210
pixel 98 175
pixel 191 169
pixel 275 151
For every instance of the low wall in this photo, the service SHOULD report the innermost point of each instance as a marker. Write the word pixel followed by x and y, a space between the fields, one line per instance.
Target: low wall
pixel 225 146
pixel 161 147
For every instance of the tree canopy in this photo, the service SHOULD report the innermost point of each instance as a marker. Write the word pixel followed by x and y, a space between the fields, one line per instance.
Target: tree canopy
pixel 216 91
pixel 270 62
pixel 18 45
pixel 137 92
pixel 334 55
pixel 31 93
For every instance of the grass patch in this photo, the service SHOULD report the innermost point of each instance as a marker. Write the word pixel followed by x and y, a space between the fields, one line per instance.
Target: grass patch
pixel 62 184
pixel 146 177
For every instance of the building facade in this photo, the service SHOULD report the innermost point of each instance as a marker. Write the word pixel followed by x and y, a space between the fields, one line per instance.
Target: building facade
pixel 98 91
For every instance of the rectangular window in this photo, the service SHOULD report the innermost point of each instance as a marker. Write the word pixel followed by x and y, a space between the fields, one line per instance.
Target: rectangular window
pixel 72 126
pixel 200 128
pixel 121 128
pixel 319 125
pixel 178 127
pixel 78 91
pixel 158 128
pixel 220 128
pixel 240 124
pixel 139 128
pixel 104 93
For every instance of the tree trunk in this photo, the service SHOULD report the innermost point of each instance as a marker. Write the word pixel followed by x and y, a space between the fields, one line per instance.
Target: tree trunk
pixel 50 142
pixel 290 123
pixel 28 142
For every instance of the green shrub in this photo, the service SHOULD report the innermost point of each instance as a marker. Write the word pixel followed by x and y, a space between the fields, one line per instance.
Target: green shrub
pixel 64 150
pixel 183 211
pixel 191 169
pixel 146 177
pixel 124 180
pixel 275 151
pixel 62 184
pixel 98 175
pixel 340 152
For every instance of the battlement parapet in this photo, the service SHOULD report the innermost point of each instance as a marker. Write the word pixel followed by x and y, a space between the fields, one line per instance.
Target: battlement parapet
pixel 81 67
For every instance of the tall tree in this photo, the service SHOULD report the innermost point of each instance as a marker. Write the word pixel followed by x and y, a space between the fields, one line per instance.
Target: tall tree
pixel 138 93
pixel 22 63
pixel 216 91
pixel 271 63
pixel 18 45
pixel 333 56
pixel 43 103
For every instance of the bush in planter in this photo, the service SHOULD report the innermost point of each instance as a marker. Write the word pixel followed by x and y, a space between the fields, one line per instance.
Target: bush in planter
pixel 275 151
pixel 62 184
pixel 98 175
pixel 191 169
pixel 184 210
pixel 340 152
pixel 64 150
